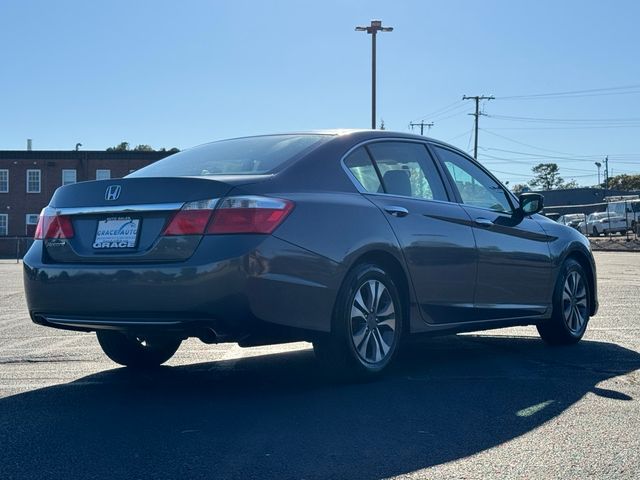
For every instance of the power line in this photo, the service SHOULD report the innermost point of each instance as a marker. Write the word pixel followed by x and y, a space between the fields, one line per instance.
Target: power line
pixel 571 93
pixel 455 111
pixel 542 156
pixel 466 132
pixel 440 110
pixel 524 144
pixel 582 127
pixel 566 156
pixel 519 175
pixel 452 112
pixel 469 142
pixel 558 160
pixel 529 163
pixel 565 120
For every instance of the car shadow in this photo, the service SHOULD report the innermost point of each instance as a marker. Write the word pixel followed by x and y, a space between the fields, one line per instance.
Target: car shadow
pixel 277 416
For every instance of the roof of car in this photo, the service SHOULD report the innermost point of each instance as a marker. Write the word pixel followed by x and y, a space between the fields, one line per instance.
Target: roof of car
pixel 339 132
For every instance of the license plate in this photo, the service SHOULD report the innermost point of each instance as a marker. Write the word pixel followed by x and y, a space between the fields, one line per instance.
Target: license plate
pixel 117 232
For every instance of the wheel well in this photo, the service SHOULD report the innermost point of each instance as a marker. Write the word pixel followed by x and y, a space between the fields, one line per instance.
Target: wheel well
pixel 582 259
pixel 392 266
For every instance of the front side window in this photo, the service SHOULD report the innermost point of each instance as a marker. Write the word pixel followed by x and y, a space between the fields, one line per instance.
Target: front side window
pixel 33 181
pixel 69 176
pixel 4 224
pixel 4 181
pixel 407 170
pixel 476 188
pixel 359 164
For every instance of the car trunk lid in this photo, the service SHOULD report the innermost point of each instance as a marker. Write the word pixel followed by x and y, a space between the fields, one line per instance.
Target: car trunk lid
pixel 122 221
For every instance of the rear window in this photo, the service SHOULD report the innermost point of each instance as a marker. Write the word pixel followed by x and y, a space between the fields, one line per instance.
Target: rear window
pixel 240 156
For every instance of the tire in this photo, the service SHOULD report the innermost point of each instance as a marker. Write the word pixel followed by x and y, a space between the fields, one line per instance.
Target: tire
pixel 137 352
pixel 359 346
pixel 571 308
pixel 595 232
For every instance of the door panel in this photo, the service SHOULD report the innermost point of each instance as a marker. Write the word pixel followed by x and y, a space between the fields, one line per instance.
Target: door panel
pixel 435 235
pixel 514 265
pixel 514 261
pixel 440 252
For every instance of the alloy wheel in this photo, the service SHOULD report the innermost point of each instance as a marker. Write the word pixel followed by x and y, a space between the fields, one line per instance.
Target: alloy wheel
pixel 373 322
pixel 574 302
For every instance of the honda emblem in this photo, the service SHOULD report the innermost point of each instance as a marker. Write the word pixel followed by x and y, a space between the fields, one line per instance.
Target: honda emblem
pixel 112 193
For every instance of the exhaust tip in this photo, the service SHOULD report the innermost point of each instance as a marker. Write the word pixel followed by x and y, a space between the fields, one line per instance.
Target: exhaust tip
pixel 207 335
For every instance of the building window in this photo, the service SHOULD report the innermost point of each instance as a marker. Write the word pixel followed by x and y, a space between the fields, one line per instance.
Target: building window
pixel 103 174
pixel 68 176
pixel 31 221
pixel 4 224
pixel 4 181
pixel 33 181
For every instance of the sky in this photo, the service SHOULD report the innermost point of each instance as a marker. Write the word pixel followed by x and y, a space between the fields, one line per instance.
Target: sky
pixel 182 73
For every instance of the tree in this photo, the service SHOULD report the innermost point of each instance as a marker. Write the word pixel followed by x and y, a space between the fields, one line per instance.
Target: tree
pixel 546 176
pixel 624 182
pixel 121 147
pixel 143 148
pixel 519 188
pixel 125 147
pixel 571 184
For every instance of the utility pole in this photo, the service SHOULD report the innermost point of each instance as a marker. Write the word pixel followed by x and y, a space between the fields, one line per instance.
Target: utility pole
pixel 606 174
pixel 421 125
pixel 477 98
pixel 373 29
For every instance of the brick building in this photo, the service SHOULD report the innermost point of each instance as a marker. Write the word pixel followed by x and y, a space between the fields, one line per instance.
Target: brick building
pixel 28 179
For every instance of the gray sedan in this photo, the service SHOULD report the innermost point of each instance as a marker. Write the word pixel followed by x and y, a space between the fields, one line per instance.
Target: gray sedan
pixel 351 240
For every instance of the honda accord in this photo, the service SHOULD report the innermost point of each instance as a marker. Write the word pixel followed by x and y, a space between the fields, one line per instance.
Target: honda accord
pixel 351 240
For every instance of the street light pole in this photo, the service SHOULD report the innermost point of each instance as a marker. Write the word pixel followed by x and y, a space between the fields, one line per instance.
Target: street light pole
pixel 598 164
pixel 373 29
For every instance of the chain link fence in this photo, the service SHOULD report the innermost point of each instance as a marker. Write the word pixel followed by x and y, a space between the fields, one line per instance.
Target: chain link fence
pixel 612 219
pixel 14 248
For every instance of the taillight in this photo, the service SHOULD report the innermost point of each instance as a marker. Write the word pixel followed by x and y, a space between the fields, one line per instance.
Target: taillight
pixel 242 214
pixel 250 214
pixel 53 226
pixel 191 219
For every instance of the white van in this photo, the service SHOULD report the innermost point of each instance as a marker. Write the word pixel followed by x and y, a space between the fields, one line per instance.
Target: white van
pixel 629 209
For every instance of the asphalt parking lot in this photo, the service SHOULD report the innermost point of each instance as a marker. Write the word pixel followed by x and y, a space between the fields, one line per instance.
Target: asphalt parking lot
pixel 498 404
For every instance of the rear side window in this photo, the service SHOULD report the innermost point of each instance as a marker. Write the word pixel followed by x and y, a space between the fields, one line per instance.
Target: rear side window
pixel 240 156
pixel 407 170
pixel 359 164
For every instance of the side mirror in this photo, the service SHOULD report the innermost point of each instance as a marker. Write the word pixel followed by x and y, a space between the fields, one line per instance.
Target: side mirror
pixel 531 203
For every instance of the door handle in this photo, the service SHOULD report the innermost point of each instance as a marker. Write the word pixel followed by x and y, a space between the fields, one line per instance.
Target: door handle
pixel 483 222
pixel 396 211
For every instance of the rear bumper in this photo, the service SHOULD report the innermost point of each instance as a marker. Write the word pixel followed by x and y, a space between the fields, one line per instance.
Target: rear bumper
pixel 232 284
